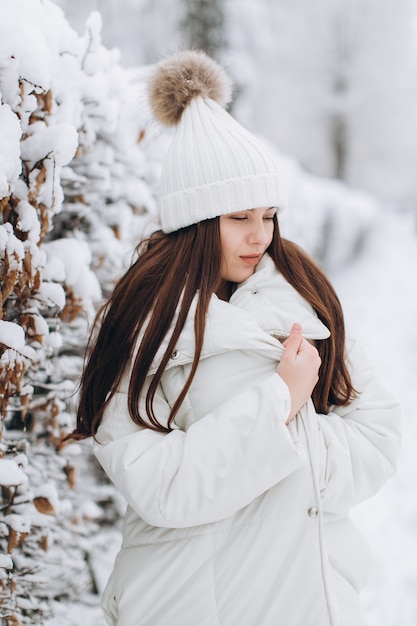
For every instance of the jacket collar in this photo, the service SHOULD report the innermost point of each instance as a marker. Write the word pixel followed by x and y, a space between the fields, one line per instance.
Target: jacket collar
pixel 262 308
pixel 275 304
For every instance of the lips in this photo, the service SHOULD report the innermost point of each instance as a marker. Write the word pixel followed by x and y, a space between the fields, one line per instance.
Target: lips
pixel 251 259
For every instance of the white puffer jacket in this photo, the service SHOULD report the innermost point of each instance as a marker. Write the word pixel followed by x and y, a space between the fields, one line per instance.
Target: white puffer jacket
pixel 234 518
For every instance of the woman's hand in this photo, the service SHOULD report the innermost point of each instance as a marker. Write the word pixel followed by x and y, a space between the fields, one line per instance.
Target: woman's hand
pixel 299 369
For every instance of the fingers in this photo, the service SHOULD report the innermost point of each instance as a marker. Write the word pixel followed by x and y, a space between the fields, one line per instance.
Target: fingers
pixel 299 368
pixel 293 342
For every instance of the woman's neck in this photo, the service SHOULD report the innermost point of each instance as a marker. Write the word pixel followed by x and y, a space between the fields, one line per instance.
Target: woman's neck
pixel 225 290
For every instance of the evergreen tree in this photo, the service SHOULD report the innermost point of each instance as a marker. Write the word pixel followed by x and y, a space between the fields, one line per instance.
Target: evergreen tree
pixel 203 26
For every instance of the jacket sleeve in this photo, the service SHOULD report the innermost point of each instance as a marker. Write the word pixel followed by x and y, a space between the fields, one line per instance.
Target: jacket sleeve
pixel 360 442
pixel 219 465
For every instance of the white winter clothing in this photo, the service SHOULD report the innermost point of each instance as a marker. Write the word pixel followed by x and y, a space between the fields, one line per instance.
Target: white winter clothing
pixel 234 518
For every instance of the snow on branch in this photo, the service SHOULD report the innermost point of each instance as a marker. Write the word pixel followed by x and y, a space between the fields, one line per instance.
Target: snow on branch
pixel 75 193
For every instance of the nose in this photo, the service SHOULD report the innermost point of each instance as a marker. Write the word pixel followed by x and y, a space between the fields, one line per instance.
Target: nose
pixel 260 233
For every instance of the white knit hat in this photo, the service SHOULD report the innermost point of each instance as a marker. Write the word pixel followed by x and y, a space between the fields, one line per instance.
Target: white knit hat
pixel 214 166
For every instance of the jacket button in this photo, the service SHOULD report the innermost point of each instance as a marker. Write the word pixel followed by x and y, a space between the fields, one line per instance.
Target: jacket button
pixel 254 292
pixel 175 354
pixel 312 511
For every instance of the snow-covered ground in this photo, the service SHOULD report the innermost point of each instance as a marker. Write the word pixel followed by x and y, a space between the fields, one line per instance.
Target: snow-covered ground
pixel 379 294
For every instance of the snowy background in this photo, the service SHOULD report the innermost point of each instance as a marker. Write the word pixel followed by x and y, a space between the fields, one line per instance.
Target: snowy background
pixel 333 89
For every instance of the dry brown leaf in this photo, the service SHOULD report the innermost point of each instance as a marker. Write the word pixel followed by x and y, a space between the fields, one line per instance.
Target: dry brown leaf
pixel 44 220
pixel 43 543
pixel 39 180
pixel 4 202
pixel 73 306
pixel 49 100
pixel 27 266
pixel 14 540
pixel 116 229
pixel 9 280
pixel 43 505
pixel 37 280
pixel 71 474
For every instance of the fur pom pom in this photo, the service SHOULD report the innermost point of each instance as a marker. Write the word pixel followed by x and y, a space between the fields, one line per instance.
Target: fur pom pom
pixel 179 78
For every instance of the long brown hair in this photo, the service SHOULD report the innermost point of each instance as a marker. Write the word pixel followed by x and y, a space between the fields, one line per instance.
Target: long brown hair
pixel 335 385
pixel 159 287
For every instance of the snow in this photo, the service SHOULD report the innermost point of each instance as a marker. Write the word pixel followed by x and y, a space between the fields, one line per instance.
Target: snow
pixel 13 336
pixel 28 220
pixel 49 492
pixel 11 475
pixel 33 54
pixel 52 294
pixel 379 294
pixel 6 561
pixel 19 523
pixel 68 260
pixel 10 163
pixel 90 510
pixel 40 325
pixel 26 603
pixel 325 216
pixel 11 247
pixel 61 140
pixel 55 341
pixel 54 268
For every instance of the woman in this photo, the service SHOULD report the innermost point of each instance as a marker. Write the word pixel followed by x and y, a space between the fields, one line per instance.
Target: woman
pixel 222 401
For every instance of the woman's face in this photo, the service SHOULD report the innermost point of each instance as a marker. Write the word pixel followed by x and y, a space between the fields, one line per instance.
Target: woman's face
pixel 244 237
